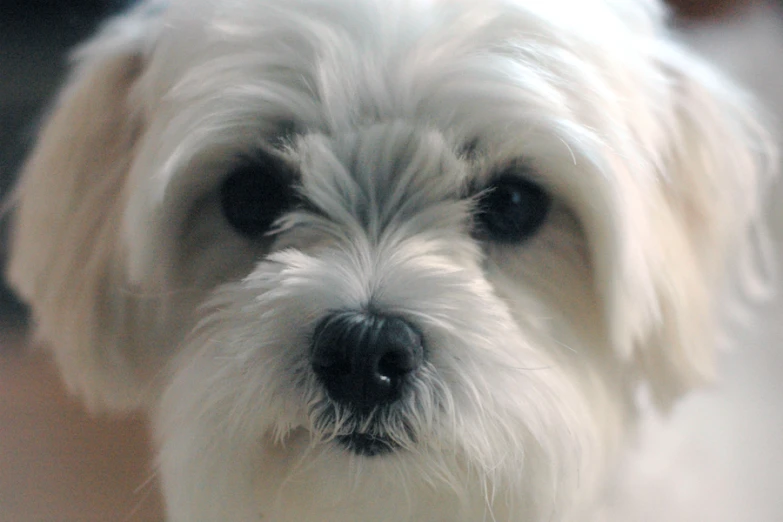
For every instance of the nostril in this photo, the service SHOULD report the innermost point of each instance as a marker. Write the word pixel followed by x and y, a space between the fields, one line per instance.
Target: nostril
pixel 394 364
pixel 404 351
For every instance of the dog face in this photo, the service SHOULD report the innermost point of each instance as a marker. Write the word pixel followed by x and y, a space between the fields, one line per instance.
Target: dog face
pixel 385 260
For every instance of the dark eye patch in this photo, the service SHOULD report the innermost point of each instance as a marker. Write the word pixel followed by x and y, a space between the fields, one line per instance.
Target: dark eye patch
pixel 511 207
pixel 285 131
pixel 256 192
pixel 469 150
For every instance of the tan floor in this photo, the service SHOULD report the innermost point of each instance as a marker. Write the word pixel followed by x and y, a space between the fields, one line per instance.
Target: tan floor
pixel 57 464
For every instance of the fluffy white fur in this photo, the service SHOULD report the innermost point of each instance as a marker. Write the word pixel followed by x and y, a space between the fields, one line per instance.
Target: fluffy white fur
pixel 542 356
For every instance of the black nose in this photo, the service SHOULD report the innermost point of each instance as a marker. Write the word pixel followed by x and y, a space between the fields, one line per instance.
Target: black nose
pixel 363 359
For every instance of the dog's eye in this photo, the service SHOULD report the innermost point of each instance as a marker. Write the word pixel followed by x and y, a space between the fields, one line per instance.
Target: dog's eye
pixel 256 193
pixel 511 208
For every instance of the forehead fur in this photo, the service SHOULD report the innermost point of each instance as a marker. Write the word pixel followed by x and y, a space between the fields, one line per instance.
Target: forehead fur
pixel 535 80
pixel 333 66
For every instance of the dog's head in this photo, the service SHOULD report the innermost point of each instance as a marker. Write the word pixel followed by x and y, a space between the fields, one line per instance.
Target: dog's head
pixel 428 248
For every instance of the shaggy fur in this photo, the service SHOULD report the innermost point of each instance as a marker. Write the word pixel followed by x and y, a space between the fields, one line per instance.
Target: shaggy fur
pixel 541 356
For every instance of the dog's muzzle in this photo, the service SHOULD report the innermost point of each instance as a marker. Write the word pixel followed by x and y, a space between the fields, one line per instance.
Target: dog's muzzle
pixel 364 359
pixel 365 362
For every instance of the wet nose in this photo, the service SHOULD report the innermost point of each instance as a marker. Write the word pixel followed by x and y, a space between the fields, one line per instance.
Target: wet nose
pixel 364 359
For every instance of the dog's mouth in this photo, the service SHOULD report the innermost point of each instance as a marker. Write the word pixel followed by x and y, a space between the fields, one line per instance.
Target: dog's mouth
pixel 375 434
pixel 367 445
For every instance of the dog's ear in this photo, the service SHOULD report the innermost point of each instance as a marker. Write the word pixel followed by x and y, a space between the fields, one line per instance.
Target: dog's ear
pixel 65 259
pixel 715 165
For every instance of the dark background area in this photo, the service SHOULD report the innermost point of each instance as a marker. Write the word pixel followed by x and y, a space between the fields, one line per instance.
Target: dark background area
pixel 35 38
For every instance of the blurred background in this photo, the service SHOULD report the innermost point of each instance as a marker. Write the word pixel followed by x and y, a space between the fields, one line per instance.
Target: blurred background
pixel 58 464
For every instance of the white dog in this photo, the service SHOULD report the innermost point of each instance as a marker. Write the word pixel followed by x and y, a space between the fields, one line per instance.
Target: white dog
pixel 389 260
